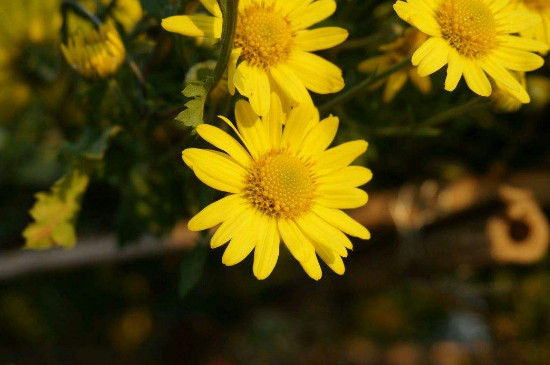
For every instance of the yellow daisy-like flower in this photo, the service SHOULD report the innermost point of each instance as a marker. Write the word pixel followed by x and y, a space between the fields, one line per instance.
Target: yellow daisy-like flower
pixel 541 10
pixel 283 185
pixel 96 54
pixel 274 48
pixel 395 52
pixel 474 38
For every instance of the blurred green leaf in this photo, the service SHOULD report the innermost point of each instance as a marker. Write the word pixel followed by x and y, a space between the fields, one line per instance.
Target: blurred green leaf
pixel 193 115
pixel 54 213
pixel 191 268
pixel 93 143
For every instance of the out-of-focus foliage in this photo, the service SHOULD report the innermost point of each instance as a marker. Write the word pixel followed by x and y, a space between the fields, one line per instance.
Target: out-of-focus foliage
pixel 54 213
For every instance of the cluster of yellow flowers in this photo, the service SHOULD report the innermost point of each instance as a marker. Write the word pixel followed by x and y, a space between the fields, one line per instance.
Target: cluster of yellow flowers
pixel 284 184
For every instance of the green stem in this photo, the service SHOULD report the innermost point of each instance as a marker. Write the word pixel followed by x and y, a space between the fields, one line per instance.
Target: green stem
pixel 472 104
pixel 350 93
pixel 230 12
pixel 80 10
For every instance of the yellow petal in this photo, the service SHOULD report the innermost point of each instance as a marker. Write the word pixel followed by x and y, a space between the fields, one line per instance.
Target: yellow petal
pixel 289 83
pixel 252 129
pixel 316 73
pixel 320 38
pixel 215 169
pixel 300 121
pixel 242 243
pixel 320 137
pixel 232 226
pixel 312 268
pixel 341 197
pixel 475 78
pixel 350 176
pixel 303 17
pixel 298 244
pixel 339 157
pixel 213 7
pixel 323 234
pixel 274 120
pixel 194 25
pixel 215 213
pixel 342 221
pixel 267 248
pixel 224 142
pixel 253 83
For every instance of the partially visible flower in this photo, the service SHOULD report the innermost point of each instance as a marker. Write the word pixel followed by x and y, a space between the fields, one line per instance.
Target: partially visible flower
pixel 200 71
pixel 274 48
pixel 522 236
pixel 504 101
pixel 24 25
pixel 284 184
pixel 539 89
pixel 475 39
pixel 96 54
pixel 540 9
pixel 126 12
pixel 395 52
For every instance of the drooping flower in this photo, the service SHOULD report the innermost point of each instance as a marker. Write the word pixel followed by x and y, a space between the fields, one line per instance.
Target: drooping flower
pixel 273 48
pixel 395 52
pixel 96 54
pixel 474 38
pixel 283 185
pixel 541 10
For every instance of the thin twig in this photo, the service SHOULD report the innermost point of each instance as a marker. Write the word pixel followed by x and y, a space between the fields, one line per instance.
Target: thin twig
pixel 472 104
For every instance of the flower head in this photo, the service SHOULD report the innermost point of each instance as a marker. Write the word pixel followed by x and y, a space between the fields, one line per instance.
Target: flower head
pixel 541 10
pixel 96 54
pixel 474 38
pixel 273 48
pixel 284 184
pixel 395 52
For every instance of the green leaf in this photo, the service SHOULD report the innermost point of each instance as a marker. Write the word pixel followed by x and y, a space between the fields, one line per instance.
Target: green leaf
pixel 55 212
pixel 191 268
pixel 193 115
pixel 93 143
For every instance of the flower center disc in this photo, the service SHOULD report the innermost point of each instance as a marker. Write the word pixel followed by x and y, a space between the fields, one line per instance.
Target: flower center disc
pixel 264 35
pixel 537 5
pixel 280 185
pixel 468 25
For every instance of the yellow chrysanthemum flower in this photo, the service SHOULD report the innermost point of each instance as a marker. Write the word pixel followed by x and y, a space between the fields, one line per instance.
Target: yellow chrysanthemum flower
pixel 473 37
pixel 285 185
pixel 395 52
pixel 274 48
pixel 541 10
pixel 96 54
